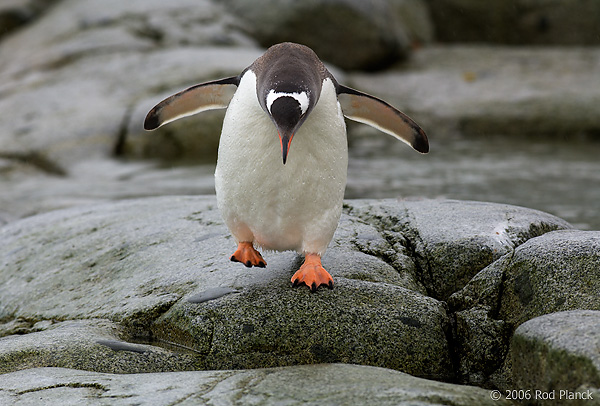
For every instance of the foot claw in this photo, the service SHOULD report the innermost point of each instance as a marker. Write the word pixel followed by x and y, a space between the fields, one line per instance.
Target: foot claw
pixel 312 274
pixel 247 255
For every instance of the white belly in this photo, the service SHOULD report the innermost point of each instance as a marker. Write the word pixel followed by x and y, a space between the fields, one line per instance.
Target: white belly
pixel 280 207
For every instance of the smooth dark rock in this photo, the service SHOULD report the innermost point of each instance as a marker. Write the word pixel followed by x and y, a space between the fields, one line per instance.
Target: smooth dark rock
pixel 117 345
pixel 517 22
pixel 381 30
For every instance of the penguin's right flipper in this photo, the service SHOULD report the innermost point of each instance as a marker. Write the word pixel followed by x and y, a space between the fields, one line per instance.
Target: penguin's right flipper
pixel 206 96
pixel 367 109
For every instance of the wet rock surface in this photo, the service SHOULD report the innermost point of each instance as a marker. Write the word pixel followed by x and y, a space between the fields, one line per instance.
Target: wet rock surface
pixel 552 273
pixel 453 240
pixel 560 350
pixel 165 275
pixel 334 384
pixel 146 285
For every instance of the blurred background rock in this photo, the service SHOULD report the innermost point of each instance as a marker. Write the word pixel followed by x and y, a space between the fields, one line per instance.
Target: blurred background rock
pixel 508 92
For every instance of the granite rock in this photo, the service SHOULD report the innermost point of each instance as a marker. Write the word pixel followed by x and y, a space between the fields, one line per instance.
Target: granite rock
pixel 452 241
pixel 555 272
pixel 139 263
pixel 159 268
pixel 558 354
pixel 333 384
pixel 90 345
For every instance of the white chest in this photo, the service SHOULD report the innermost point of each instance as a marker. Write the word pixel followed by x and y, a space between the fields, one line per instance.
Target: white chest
pixel 292 206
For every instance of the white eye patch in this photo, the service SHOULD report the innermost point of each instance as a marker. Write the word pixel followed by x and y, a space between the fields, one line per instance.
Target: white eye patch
pixel 301 98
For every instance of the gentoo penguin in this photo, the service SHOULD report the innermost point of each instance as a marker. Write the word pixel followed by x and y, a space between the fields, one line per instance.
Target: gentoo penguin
pixel 283 154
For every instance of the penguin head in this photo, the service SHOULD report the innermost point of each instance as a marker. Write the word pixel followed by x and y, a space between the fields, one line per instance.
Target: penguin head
pixel 287 111
pixel 288 86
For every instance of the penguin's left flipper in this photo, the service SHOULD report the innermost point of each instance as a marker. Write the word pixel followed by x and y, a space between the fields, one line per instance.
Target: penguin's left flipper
pixel 367 109
pixel 196 99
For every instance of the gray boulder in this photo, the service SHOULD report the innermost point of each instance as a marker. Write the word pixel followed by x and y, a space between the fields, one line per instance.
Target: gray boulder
pixel 73 79
pixel 570 22
pixel 139 263
pixel 478 90
pixel 351 34
pixel 159 269
pixel 558 354
pixel 273 325
pixel 481 346
pixel 91 345
pixel 335 384
pixel 557 271
pixel 451 241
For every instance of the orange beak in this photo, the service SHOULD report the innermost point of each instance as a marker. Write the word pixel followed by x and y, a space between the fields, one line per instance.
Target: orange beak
pixel 285 140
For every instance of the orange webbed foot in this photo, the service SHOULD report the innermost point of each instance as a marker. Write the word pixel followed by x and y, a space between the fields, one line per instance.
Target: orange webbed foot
pixel 247 255
pixel 312 274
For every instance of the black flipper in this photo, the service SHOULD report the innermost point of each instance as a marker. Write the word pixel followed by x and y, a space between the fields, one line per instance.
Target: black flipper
pixel 206 96
pixel 367 109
